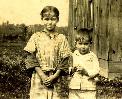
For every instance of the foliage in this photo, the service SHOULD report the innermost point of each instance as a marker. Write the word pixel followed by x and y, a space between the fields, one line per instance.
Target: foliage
pixel 13 77
pixel 109 88
pixel 21 32
pixel 11 32
pixel 15 80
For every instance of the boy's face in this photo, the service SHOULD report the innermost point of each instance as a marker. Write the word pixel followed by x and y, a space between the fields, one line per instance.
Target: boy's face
pixel 83 46
pixel 49 20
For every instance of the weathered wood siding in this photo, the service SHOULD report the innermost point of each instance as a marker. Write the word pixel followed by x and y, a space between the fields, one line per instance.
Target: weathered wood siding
pixel 115 38
pixel 79 17
pixel 100 34
pixel 105 17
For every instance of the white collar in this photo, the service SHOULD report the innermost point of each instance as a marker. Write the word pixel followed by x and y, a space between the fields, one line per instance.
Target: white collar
pixel 76 52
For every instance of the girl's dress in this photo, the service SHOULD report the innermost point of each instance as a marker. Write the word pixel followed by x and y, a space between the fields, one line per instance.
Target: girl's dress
pixel 52 53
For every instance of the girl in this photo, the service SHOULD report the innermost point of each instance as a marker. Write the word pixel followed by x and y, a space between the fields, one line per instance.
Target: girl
pixel 52 52
pixel 85 67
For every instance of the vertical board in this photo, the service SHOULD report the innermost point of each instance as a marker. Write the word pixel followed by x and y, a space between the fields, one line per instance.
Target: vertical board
pixel 79 17
pixel 101 34
pixel 115 28
pixel 71 24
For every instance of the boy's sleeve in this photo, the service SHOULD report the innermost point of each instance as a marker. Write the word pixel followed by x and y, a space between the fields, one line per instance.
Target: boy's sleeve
pixel 31 45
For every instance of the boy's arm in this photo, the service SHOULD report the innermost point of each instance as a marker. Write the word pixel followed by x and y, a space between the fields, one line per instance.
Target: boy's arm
pixel 94 67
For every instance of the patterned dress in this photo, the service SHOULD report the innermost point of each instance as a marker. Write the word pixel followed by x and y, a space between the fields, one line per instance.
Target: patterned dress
pixel 52 51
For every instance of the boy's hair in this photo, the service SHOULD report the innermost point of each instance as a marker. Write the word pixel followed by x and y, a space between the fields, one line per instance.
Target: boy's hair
pixel 82 35
pixel 50 9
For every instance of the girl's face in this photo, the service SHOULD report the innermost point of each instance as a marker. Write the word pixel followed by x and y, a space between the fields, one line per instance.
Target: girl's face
pixel 83 46
pixel 49 21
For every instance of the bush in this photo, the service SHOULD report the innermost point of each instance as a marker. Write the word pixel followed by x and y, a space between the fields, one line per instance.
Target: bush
pixel 14 80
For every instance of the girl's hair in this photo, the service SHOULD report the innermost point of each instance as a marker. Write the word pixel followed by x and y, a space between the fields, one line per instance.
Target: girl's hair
pixel 82 35
pixel 50 9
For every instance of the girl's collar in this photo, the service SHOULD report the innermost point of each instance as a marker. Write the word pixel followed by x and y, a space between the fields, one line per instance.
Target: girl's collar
pixel 51 35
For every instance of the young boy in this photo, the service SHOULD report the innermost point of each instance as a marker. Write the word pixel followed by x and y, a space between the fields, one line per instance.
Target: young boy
pixel 52 52
pixel 85 66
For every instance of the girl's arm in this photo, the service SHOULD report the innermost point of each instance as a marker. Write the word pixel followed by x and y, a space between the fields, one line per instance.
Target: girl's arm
pixel 51 78
pixel 64 65
pixel 32 63
pixel 41 73
pixel 56 75
pixel 61 70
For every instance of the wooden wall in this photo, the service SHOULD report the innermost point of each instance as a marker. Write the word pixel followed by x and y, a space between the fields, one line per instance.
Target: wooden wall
pixel 105 17
pixel 115 38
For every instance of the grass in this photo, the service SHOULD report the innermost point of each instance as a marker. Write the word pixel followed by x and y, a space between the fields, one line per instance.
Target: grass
pixel 15 80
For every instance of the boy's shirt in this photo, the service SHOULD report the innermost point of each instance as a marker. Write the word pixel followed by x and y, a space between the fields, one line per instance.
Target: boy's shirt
pixel 90 63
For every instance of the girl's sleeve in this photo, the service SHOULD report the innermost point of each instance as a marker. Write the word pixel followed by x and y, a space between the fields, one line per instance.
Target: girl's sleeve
pixel 64 48
pixel 31 44
pixel 65 56
pixel 31 61
pixel 30 48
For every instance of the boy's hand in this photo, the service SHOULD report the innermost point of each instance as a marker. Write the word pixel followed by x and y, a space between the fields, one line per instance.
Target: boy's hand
pixel 72 70
pixel 79 68
pixel 83 72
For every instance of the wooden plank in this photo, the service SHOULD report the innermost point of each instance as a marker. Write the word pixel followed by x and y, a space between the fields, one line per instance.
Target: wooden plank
pixel 70 24
pixel 83 14
pixel 100 35
pixel 103 67
pixel 115 67
pixel 115 29
pixel 79 16
pixel 95 26
pixel 113 75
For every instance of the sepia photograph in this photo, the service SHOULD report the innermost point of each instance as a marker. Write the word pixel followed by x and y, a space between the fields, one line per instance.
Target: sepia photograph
pixel 61 49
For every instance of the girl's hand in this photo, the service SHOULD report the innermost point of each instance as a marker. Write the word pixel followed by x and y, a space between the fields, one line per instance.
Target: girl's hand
pixel 49 80
pixel 44 78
